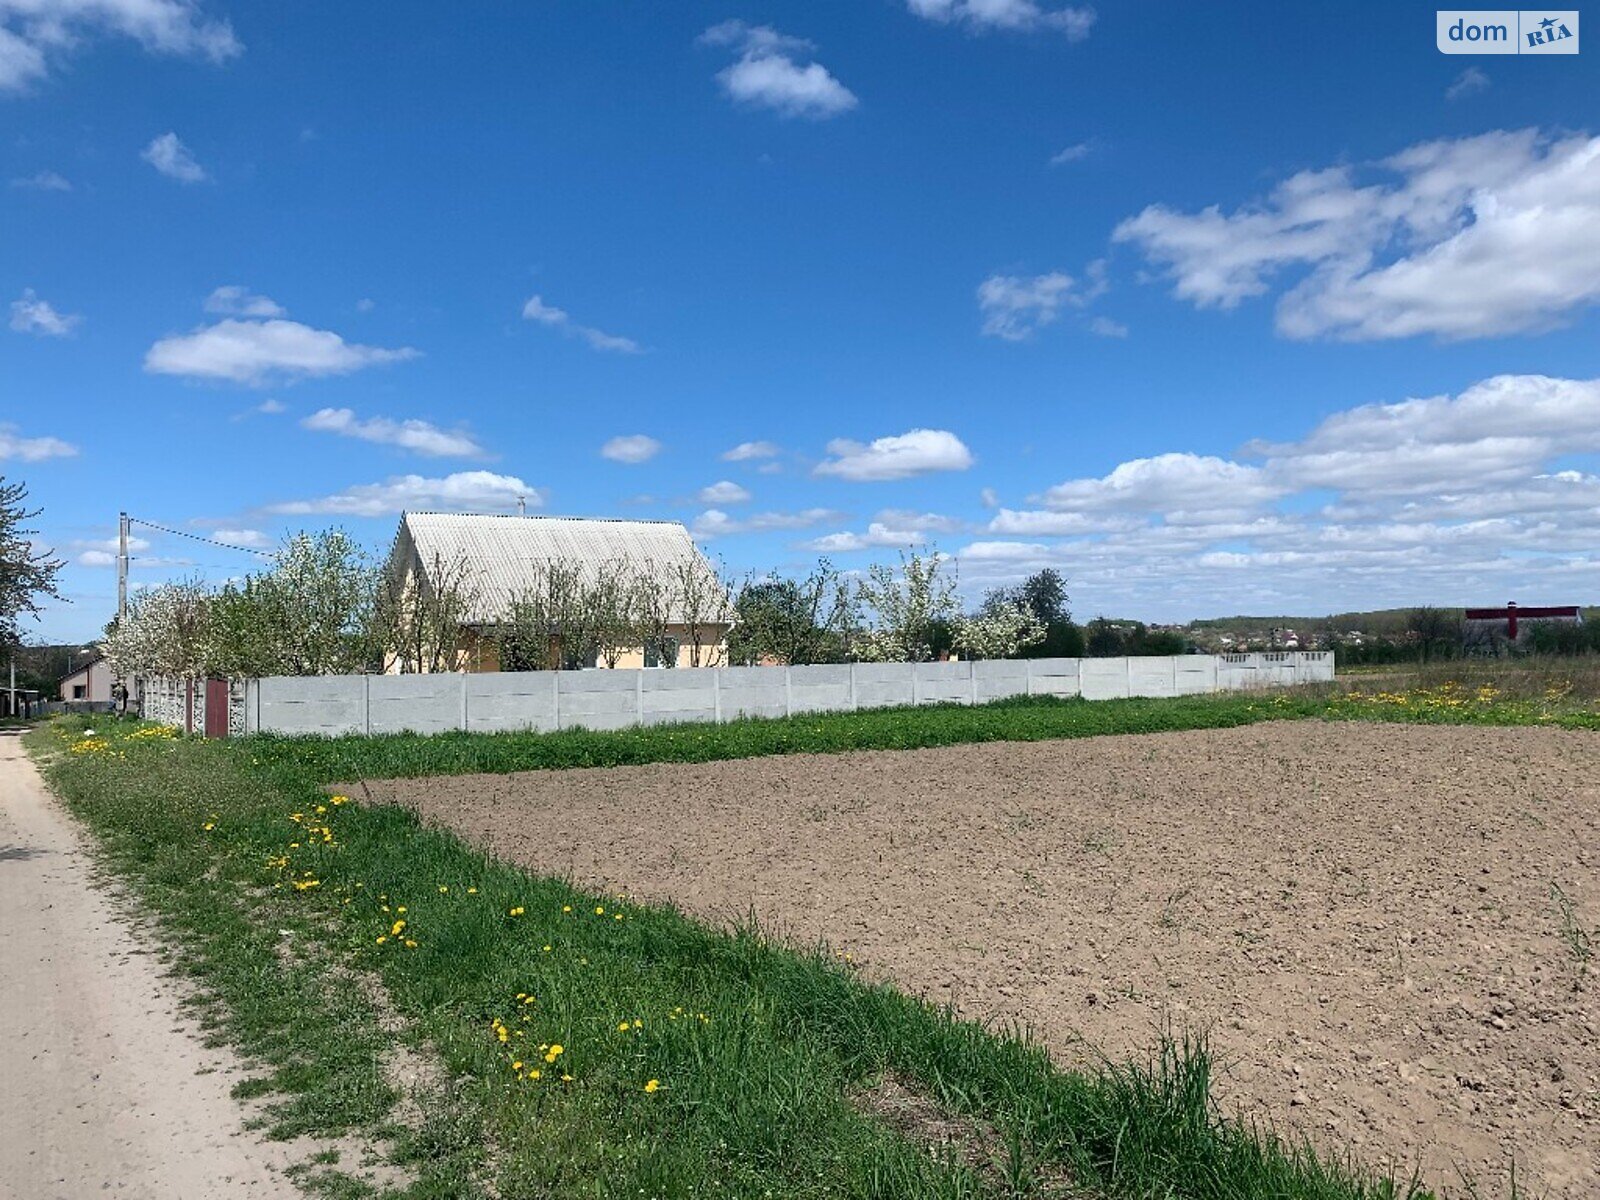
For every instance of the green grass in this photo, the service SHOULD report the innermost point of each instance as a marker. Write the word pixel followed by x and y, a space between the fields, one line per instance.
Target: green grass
pixel 759 1097
pixel 1020 720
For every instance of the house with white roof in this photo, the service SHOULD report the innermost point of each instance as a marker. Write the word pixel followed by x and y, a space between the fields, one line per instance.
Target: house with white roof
pixel 501 558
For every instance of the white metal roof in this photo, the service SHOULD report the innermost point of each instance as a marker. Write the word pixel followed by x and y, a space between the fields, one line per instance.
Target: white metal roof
pixel 507 551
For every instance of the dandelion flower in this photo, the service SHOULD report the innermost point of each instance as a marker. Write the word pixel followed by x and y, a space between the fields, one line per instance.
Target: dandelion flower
pixel 652 1085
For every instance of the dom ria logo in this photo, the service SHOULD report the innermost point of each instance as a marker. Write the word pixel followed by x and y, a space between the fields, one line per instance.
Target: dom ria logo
pixel 1507 31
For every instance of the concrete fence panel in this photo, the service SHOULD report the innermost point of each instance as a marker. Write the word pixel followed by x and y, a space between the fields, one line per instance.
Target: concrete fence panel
pixel 510 701
pixel 1194 674
pixel 1152 676
pixel 943 682
pixel 998 679
pixel 1103 678
pixel 323 704
pixel 1055 677
pixel 597 699
pixel 681 694
pixel 754 692
pixel 415 703
pixel 827 688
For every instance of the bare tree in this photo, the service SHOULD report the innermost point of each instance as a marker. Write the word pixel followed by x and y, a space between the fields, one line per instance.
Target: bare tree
pixel 653 613
pixel 704 609
pixel 614 602
pixel 420 614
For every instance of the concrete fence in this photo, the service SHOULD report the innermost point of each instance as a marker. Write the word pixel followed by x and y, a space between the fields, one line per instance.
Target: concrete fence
pixel 547 700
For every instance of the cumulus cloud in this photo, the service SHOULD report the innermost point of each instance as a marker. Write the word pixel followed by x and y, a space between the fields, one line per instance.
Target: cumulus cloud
pixel 1459 238
pixel 258 352
pixel 631 448
pixel 32 449
pixel 172 158
pixel 891 528
pixel 767 73
pixel 420 437
pixel 1106 327
pixel 918 452
pixel 248 539
pixel 33 32
pixel 746 451
pixel 43 181
pixel 1021 16
pixel 724 492
pixel 716 523
pixel 33 315
pixel 1168 483
pixel 462 491
pixel 556 318
pixel 236 301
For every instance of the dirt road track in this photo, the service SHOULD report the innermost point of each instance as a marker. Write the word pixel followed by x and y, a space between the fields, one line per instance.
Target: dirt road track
pixel 107 1089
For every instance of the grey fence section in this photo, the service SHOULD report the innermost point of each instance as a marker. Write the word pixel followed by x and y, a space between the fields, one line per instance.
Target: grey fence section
pixel 546 700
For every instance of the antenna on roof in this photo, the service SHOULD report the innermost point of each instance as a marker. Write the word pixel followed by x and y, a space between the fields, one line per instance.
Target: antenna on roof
pixel 522 506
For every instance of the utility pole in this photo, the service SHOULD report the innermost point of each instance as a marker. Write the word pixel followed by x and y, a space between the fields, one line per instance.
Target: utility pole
pixel 122 565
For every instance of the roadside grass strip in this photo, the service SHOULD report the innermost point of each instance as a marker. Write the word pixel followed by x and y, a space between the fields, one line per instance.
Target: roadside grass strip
pixel 594 1047
pixel 406 755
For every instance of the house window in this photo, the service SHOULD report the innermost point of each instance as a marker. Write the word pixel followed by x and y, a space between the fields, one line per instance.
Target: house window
pixel 80 691
pixel 661 654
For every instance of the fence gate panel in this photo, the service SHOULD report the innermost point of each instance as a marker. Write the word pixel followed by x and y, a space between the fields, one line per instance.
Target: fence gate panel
pixel 216 708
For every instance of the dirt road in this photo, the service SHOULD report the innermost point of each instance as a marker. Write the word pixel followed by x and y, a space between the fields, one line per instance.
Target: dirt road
pixel 1380 925
pixel 107 1087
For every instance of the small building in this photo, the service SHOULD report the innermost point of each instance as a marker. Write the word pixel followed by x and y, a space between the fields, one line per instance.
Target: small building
pixel 89 684
pixel 503 557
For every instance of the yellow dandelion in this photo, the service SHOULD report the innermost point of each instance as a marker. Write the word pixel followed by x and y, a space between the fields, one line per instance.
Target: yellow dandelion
pixel 652 1085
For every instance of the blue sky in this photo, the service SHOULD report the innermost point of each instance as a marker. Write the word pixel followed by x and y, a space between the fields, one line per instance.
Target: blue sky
pixel 1215 308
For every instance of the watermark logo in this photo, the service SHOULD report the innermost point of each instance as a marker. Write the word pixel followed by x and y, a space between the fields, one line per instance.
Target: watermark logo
pixel 1507 31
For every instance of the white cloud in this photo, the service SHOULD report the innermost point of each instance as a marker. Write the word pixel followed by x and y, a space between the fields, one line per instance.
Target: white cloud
pixel 1468 83
pixel 271 407
pixel 249 539
pixel 260 352
pixel 34 449
pixel 1071 154
pixel 43 181
pixel 746 451
pixel 33 31
pixel 891 528
pixel 172 158
pixel 33 315
pixel 1014 307
pixel 1474 237
pixel 631 448
pixel 421 437
pixel 724 492
pixel 989 498
pixel 236 301
pixel 1021 16
pixel 1106 327
pixel 545 314
pixel 716 523
pixel 766 73
pixel 1034 523
pixel 464 490
pixel 918 452
pixel 148 562
pixel 1168 483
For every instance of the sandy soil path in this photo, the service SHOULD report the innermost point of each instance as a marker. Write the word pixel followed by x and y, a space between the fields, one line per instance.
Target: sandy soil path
pixel 106 1090
pixel 1362 916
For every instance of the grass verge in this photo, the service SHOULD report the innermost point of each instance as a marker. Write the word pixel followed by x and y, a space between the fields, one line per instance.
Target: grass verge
pixel 591 1047
pixel 404 755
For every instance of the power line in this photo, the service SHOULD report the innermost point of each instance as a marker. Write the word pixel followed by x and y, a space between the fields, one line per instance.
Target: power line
pixel 197 538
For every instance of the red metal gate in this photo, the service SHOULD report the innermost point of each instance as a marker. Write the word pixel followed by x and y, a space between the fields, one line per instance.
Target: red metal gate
pixel 216 708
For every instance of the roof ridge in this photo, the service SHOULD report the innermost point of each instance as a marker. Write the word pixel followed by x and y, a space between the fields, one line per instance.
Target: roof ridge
pixel 428 512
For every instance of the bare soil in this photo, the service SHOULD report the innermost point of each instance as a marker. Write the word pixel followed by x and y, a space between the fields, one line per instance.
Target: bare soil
pixel 1361 917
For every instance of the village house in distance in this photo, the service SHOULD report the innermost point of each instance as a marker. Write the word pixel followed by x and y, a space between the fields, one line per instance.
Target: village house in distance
pixel 679 612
